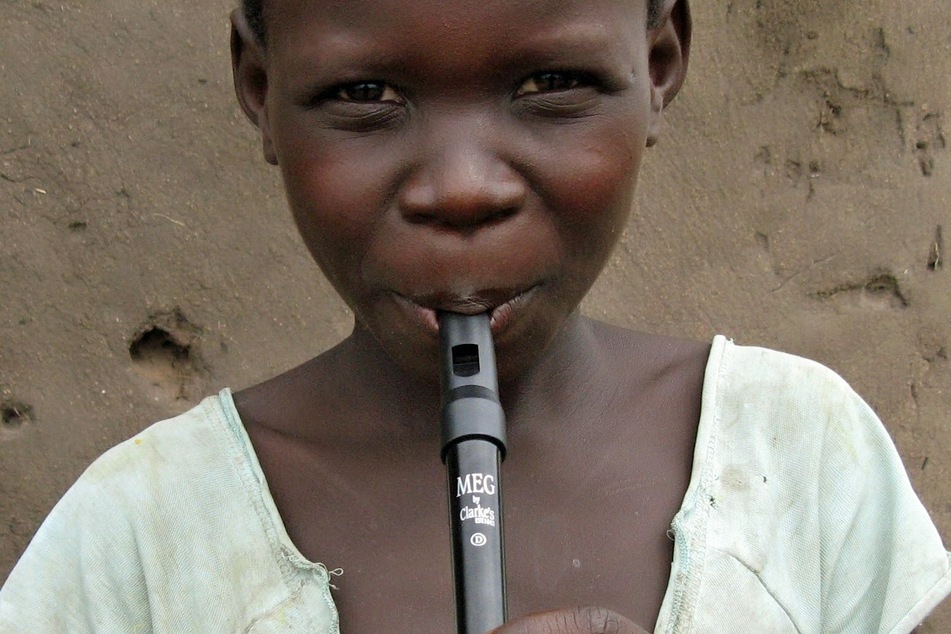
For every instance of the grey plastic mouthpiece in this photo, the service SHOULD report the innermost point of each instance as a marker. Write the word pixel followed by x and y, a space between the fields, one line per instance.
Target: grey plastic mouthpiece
pixel 470 386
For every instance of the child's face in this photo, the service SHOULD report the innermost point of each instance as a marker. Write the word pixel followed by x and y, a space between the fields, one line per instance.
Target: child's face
pixel 466 155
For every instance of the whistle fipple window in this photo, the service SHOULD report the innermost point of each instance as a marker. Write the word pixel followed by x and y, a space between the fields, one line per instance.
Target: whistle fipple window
pixel 465 359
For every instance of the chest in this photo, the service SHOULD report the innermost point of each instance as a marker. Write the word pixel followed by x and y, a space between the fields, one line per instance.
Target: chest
pixel 581 531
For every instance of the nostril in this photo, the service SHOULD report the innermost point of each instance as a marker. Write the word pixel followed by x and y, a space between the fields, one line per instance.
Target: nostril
pixel 502 215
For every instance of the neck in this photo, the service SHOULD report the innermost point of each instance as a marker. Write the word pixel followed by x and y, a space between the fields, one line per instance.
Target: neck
pixel 560 381
pixel 410 405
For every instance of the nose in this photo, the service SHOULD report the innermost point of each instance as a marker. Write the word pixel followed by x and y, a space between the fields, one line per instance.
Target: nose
pixel 463 184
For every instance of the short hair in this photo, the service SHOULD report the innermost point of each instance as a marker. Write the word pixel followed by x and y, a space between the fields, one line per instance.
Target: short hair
pixel 254 14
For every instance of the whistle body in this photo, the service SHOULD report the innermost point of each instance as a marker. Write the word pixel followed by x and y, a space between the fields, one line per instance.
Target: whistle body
pixel 473 447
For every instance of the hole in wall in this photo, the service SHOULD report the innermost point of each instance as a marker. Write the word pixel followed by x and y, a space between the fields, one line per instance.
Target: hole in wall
pixel 15 415
pixel 163 352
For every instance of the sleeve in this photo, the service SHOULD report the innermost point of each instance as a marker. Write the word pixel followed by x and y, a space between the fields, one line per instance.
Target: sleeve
pixel 800 516
pixel 80 572
pixel 883 565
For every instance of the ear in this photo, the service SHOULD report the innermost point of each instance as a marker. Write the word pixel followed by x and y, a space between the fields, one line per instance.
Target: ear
pixel 249 68
pixel 669 42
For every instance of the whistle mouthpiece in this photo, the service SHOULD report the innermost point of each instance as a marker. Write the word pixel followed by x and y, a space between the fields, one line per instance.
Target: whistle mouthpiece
pixel 470 385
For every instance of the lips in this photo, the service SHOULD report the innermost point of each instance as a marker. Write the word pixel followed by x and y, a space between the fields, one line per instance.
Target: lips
pixel 501 304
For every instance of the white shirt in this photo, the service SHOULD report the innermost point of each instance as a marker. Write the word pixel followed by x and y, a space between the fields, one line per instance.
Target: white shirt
pixel 799 517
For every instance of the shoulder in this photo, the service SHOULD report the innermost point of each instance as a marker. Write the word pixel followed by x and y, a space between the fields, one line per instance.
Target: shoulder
pixel 742 374
pixel 649 357
pixel 147 481
pixel 798 479
pixel 176 511
pixel 787 408
pixel 147 477
pixel 796 420
pixel 793 415
pixel 199 436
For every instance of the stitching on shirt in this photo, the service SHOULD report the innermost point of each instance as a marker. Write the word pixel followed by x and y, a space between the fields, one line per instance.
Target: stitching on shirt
pixel 335 615
pixel 695 547
pixel 252 488
pixel 769 591
pixel 931 599
pixel 270 612
pixel 706 488
pixel 289 562
pixel 682 543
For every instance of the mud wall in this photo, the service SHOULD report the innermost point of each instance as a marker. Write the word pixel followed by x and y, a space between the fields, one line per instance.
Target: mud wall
pixel 797 201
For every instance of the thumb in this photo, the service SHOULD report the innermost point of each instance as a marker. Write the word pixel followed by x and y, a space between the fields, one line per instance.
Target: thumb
pixel 581 620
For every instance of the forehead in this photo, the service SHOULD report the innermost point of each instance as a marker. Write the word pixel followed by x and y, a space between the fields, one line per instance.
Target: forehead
pixel 470 28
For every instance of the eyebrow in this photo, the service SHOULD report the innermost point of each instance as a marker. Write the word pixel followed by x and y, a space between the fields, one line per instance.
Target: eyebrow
pixel 559 44
pixel 350 53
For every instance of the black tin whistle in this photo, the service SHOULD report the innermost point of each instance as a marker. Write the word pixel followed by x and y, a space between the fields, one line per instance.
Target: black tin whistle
pixel 473 447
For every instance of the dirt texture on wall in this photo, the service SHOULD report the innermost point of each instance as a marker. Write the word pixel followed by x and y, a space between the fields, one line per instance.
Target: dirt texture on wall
pixel 800 199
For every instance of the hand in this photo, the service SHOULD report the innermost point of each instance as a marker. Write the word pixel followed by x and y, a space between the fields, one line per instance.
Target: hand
pixel 572 621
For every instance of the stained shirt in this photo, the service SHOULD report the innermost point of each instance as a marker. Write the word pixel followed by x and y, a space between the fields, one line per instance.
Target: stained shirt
pixel 799 517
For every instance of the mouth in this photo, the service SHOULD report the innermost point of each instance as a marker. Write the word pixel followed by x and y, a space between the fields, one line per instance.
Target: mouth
pixel 502 306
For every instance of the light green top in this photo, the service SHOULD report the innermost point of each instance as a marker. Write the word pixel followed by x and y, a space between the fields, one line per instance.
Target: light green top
pixel 798 518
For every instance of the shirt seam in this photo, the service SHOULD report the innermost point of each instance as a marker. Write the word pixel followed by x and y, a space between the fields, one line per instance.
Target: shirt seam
pixel 288 562
pixel 930 600
pixel 763 584
pixel 693 542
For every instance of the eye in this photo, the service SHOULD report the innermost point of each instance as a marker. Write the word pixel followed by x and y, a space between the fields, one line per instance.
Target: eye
pixel 368 92
pixel 552 81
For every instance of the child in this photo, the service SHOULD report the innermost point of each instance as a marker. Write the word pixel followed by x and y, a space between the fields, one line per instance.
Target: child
pixel 481 157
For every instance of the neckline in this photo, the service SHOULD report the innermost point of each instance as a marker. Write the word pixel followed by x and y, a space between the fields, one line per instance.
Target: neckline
pixel 675 586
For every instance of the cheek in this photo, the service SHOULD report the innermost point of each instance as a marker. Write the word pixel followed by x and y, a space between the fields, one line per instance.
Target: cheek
pixel 597 187
pixel 338 201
